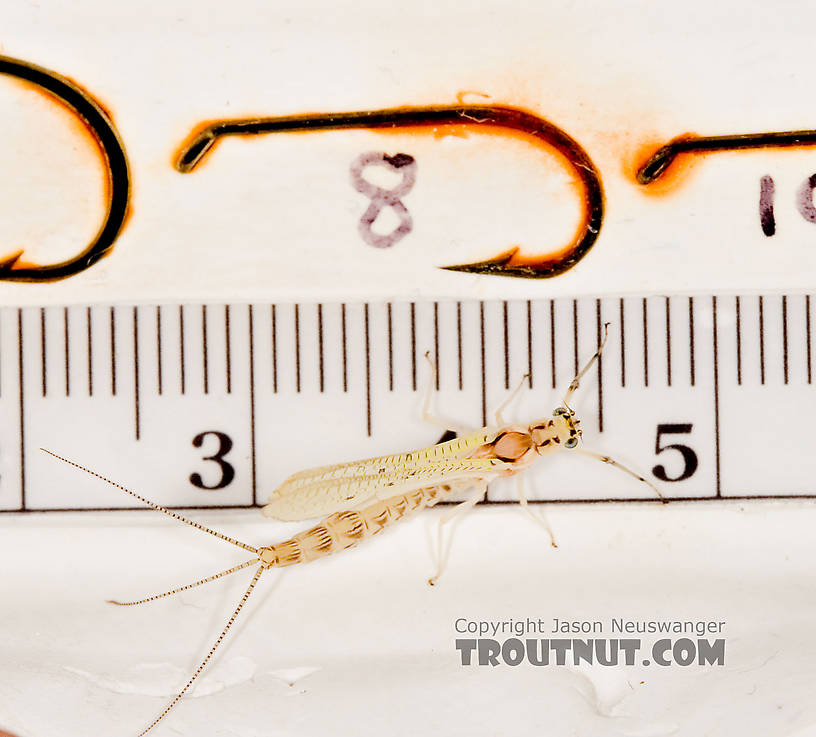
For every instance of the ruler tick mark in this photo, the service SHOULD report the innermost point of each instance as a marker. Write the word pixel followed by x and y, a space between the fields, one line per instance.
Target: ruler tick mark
pixel 320 346
pixel 436 343
pixel 459 341
pixel 739 340
pixel 274 319
pixel 297 347
pixel 21 393
pixel 575 336
pixel 228 346
pixel 761 341
pixel 692 371
pixel 182 372
pixel 716 396
pixel 668 343
pixel 506 346
pixel 90 350
pixel 484 368
pixel 599 332
pixel 622 344
pixel 807 338
pixel 367 370
pixel 136 371
pixel 43 365
pixel 785 338
pixel 552 341
pixel 67 340
pixel 390 349
pixel 413 347
pixel 158 350
pixel 529 345
pixel 113 350
pixel 253 461
pixel 645 343
pixel 344 345
pixel 205 357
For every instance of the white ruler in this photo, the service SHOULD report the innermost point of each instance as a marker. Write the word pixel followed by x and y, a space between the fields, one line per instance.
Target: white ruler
pixel 711 396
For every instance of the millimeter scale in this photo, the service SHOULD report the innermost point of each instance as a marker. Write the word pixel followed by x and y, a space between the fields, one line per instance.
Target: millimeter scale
pixel 213 405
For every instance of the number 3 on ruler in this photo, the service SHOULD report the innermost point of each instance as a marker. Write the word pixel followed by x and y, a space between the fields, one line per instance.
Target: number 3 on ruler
pixel 224 447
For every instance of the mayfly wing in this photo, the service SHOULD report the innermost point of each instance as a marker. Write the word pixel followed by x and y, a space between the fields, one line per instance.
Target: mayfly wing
pixel 327 495
pixel 459 447
pixel 328 489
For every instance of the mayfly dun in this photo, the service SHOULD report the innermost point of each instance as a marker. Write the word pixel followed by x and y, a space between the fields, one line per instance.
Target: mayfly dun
pixel 358 500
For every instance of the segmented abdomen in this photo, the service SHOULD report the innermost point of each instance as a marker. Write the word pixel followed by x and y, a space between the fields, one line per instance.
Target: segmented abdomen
pixel 348 528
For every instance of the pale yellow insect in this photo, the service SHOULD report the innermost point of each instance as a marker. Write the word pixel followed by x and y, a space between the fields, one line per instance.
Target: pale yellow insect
pixel 362 498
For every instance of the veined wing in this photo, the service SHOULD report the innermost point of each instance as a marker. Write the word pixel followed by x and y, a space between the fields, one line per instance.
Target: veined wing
pixel 460 447
pixel 328 489
pixel 323 495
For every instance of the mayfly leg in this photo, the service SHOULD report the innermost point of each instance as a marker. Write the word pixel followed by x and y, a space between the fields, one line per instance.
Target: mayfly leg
pixel 453 517
pixel 538 516
pixel 427 413
pixel 574 384
pixel 499 413
pixel 612 462
pixel 592 454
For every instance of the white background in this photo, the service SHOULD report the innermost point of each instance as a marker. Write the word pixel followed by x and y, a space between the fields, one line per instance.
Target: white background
pixel 367 643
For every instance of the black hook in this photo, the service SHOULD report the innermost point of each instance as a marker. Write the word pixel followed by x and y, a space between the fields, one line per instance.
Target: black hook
pixel 116 165
pixel 509 263
pixel 661 159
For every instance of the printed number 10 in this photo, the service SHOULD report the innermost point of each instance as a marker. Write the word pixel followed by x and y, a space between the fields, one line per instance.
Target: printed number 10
pixel 804 202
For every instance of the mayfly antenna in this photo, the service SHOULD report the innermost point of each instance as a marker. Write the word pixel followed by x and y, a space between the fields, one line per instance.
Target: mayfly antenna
pixel 152 505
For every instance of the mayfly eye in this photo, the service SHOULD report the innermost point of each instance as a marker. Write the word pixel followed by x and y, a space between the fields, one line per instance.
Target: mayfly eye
pixel 571 443
pixel 559 411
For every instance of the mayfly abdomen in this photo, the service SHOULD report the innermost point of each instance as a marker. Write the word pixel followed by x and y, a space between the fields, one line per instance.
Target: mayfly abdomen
pixel 346 529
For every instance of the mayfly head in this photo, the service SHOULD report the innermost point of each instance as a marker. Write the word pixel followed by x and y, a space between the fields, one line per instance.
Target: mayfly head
pixel 562 430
